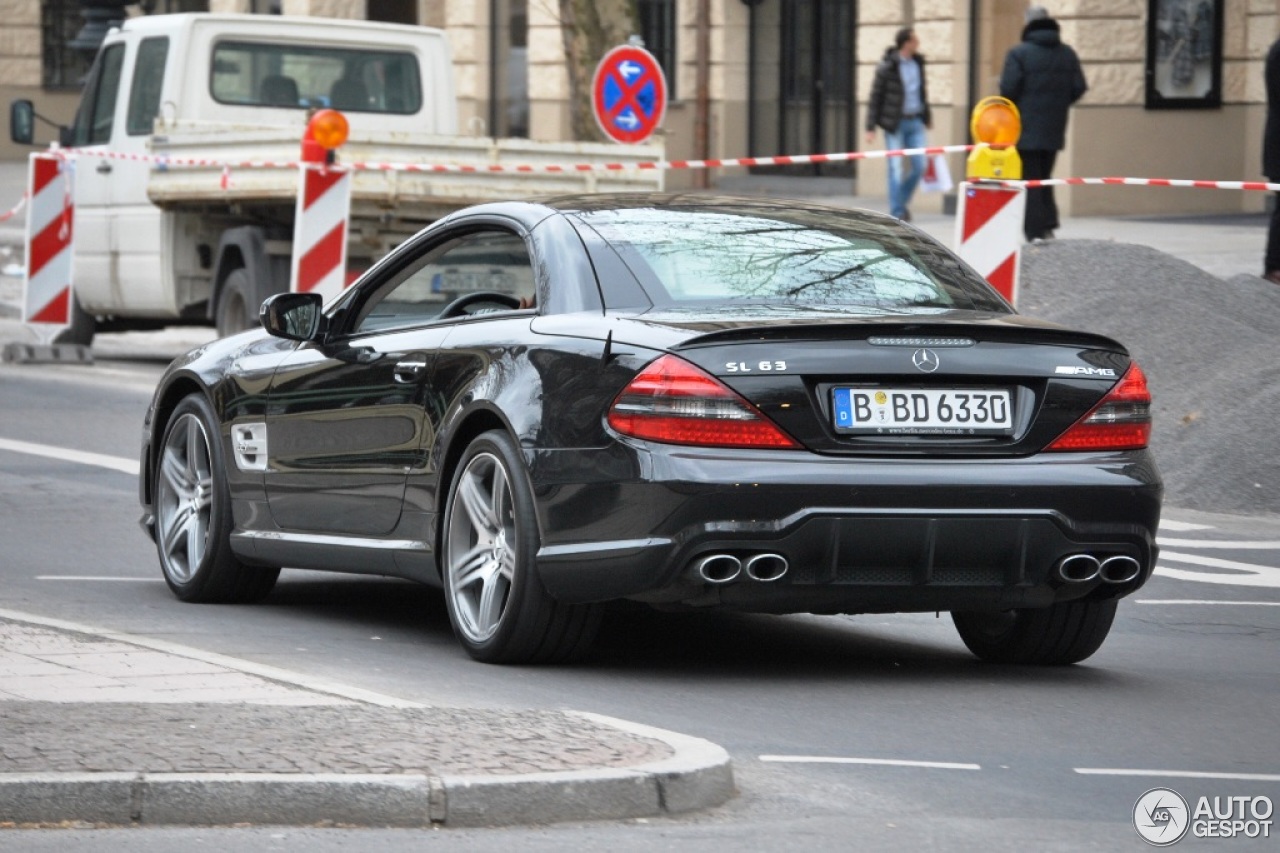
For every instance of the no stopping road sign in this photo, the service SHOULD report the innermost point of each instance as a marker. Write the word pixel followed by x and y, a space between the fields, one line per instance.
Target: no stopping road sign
pixel 629 94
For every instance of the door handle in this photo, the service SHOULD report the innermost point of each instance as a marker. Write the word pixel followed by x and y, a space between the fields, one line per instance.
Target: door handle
pixel 409 370
pixel 104 167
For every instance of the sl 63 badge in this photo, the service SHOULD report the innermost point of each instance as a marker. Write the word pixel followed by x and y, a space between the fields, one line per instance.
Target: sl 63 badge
pixel 762 366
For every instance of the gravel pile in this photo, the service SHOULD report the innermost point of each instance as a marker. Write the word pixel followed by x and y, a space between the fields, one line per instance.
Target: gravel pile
pixel 1210 349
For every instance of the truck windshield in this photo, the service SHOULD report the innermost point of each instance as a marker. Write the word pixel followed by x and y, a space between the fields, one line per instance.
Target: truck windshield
pixel 278 75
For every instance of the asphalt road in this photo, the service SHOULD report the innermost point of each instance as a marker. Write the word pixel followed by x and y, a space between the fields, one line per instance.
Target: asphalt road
pixel 871 732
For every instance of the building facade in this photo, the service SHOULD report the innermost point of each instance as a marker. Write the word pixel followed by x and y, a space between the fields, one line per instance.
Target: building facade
pixel 1175 86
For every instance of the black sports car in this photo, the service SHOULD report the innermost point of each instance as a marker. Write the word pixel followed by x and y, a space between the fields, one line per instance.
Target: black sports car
pixel 686 401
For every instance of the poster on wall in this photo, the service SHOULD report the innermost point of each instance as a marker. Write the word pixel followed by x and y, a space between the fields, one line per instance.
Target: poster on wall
pixel 1184 54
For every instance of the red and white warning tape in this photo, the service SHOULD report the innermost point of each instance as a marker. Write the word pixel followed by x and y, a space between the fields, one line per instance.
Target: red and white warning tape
pixel 15 210
pixel 1138 182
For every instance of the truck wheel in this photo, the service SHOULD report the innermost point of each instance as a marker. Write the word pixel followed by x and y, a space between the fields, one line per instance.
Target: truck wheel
pixel 82 328
pixel 499 609
pixel 193 514
pixel 1060 634
pixel 236 309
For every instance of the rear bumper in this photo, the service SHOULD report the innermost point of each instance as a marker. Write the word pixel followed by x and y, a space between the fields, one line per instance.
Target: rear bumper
pixel 858 536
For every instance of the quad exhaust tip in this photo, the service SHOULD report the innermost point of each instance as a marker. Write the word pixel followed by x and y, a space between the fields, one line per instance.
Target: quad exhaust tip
pixel 726 568
pixel 719 568
pixel 1119 569
pixel 1082 568
pixel 1079 568
pixel 766 568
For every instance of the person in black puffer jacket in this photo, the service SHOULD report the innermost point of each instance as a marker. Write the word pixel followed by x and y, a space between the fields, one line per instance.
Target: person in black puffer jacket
pixel 1043 78
pixel 900 106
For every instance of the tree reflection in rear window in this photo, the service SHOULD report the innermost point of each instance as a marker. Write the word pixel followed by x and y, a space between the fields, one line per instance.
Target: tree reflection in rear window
pixel 798 258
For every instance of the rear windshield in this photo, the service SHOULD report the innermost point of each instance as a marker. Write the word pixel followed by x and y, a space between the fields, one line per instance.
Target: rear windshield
pixel 843 261
pixel 276 75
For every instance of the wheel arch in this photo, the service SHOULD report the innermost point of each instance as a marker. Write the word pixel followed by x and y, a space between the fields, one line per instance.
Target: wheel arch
pixel 474 423
pixel 167 401
pixel 244 247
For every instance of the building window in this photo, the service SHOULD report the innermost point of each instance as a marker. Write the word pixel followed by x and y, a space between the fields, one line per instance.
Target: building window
pixel 64 67
pixel 657 20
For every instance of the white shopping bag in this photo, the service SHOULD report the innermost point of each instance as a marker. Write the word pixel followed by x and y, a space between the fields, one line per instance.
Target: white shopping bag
pixel 937 175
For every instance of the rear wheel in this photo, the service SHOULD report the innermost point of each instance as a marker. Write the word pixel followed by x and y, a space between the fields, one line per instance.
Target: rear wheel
pixel 236 311
pixel 193 514
pixel 498 607
pixel 1063 633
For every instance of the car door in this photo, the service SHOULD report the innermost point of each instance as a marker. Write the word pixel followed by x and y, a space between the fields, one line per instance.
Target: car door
pixel 348 421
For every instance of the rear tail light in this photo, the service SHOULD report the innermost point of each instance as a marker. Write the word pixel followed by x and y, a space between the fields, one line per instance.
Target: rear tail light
pixel 1121 421
pixel 675 402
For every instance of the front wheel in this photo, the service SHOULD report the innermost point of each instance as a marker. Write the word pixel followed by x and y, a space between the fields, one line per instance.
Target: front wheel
pixel 498 607
pixel 193 514
pixel 1060 634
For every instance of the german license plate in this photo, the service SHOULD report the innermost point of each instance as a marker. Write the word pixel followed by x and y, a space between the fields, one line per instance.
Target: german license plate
pixel 923 411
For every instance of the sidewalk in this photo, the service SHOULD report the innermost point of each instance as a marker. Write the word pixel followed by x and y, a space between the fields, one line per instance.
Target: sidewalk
pixel 113 729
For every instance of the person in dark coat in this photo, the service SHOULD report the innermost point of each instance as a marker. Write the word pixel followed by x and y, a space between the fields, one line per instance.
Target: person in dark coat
pixel 1271 159
pixel 1043 78
pixel 900 106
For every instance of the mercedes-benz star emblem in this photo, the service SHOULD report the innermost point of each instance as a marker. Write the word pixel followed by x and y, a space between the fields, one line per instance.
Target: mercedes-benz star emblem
pixel 925 360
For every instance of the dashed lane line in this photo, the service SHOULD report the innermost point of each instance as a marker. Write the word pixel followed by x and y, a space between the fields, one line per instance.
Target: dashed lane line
pixel 115 463
pixel 880 762
pixel 1175 601
pixel 1182 774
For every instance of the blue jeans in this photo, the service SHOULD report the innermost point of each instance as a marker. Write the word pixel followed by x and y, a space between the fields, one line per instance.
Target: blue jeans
pixel 905 172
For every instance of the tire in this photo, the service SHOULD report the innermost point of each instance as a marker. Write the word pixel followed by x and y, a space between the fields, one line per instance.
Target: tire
pixel 236 309
pixel 193 514
pixel 499 609
pixel 82 328
pixel 1057 635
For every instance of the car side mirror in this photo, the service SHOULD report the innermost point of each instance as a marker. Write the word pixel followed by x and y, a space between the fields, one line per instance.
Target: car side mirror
pixel 294 316
pixel 22 122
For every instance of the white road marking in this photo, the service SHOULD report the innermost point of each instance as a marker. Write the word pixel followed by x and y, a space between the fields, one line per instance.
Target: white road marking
pixel 1182 525
pixel 1251 573
pixel 1183 774
pixel 115 463
pixel 1238 544
pixel 1204 601
pixel 92 578
pixel 885 762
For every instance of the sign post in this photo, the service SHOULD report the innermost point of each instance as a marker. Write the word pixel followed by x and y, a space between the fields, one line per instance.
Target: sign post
pixel 629 94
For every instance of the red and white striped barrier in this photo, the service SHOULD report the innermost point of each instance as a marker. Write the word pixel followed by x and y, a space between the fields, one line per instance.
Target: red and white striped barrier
pixel 320 230
pixel 989 233
pixel 46 292
pixel 1251 186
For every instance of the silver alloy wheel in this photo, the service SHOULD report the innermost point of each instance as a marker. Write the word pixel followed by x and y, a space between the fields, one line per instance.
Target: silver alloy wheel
pixel 184 498
pixel 480 547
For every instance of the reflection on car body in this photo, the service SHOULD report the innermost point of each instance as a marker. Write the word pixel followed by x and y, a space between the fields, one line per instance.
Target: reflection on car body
pixel 732 403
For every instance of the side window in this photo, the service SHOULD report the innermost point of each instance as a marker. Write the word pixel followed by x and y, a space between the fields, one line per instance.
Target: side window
pixel 148 80
pixel 97 112
pixel 473 265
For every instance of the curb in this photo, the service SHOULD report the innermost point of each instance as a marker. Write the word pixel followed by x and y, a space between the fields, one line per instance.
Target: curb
pixel 699 776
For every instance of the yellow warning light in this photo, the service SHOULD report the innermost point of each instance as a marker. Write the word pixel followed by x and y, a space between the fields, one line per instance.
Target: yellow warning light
pixel 995 121
pixel 329 128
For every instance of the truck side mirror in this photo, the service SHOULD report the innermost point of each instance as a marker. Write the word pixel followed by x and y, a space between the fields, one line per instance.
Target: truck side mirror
pixel 293 316
pixel 22 122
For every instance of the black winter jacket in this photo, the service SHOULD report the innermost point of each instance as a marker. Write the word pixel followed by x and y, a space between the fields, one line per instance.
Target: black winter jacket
pixel 1043 78
pixel 1271 135
pixel 887 94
